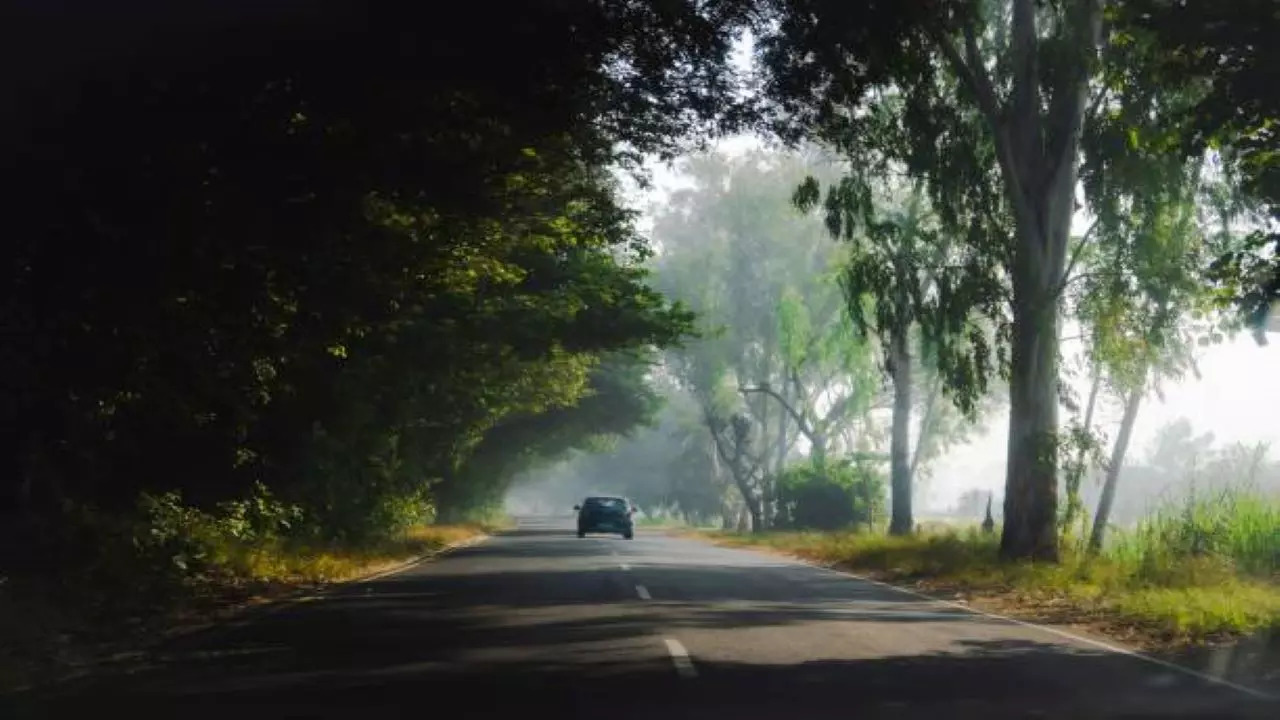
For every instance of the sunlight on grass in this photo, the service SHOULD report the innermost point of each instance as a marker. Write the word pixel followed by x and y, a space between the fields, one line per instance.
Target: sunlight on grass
pixel 1204 568
pixel 302 563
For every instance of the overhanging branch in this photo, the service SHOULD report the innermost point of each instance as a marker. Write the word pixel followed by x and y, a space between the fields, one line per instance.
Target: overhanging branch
pixel 971 73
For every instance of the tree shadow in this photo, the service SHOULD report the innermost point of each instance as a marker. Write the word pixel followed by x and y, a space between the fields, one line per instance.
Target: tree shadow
pixel 980 679
pixel 561 631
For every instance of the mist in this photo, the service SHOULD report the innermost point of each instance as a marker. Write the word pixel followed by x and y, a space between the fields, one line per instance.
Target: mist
pixel 730 244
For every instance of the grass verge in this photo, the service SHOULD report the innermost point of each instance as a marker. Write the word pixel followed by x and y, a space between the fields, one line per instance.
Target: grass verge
pixel 1155 598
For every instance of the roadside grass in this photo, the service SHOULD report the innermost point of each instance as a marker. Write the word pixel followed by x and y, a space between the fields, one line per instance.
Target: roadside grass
pixel 307 564
pixel 1203 570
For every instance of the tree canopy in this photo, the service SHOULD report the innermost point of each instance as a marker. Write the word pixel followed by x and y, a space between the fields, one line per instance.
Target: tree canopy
pixel 334 248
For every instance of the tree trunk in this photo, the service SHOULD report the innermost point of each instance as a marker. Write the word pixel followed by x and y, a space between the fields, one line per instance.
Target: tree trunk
pixel 926 427
pixel 1031 488
pixel 1103 515
pixel 766 478
pixel 1037 148
pixel 901 521
pixel 817 450
pixel 740 476
pixel 1089 408
pixel 1076 472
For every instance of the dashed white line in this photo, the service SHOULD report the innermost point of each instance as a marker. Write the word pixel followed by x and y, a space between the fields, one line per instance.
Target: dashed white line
pixel 643 592
pixel 680 658
pixel 625 566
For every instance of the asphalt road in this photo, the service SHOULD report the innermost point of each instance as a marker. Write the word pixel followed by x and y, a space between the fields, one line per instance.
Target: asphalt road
pixel 541 623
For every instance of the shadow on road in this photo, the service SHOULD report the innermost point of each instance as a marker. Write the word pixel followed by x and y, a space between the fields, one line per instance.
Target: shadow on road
pixel 972 683
pixel 555 630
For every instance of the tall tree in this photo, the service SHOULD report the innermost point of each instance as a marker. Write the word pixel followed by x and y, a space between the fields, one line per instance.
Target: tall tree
pixel 778 363
pixel 1031 75
pixel 906 280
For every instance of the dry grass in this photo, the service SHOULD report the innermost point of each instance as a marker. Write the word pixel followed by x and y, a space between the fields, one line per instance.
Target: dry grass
pixel 308 565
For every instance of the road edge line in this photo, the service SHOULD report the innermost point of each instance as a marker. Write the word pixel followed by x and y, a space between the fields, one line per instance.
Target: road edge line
pixel 1254 692
pixel 450 547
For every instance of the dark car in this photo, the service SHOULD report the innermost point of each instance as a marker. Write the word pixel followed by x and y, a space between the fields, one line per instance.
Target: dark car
pixel 605 514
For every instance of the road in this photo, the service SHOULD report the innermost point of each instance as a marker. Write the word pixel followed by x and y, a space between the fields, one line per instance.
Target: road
pixel 536 621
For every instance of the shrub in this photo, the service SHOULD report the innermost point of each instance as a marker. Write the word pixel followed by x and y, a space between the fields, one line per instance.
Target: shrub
pixel 829 497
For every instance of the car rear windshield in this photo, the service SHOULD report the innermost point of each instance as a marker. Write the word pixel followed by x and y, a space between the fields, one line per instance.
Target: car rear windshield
pixel 606 503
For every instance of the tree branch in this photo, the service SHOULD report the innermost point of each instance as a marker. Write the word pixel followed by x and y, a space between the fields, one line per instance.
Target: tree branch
pixel 1024 101
pixel 925 425
pixel 1068 105
pixel 735 467
pixel 973 75
pixel 1075 257
pixel 800 419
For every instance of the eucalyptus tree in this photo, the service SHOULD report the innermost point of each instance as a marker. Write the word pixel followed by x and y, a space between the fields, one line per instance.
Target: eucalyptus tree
pixel 998 96
pixel 778 361
pixel 1023 70
pixel 1142 293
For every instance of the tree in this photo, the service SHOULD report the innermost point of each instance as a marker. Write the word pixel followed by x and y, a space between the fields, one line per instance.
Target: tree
pixel 1032 76
pixel 1142 295
pixel 1176 448
pixel 898 285
pixel 1228 49
pixel 1036 132
pixel 778 362
pixel 340 265
pixel 1026 73
pixel 906 281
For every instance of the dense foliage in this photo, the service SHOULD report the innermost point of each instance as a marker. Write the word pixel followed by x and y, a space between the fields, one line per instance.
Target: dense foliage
pixel 844 494
pixel 337 251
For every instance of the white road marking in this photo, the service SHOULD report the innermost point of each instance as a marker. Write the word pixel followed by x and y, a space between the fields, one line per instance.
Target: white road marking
pixel 1060 633
pixel 680 658
pixel 423 558
pixel 643 592
pixel 626 566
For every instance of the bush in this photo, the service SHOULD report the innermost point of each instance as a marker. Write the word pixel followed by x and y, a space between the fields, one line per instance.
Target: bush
pixel 829 497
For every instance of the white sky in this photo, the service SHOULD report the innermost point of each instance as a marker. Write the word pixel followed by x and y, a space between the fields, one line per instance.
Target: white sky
pixel 1235 397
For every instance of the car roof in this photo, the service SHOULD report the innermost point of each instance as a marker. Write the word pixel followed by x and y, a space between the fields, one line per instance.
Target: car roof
pixel 606 497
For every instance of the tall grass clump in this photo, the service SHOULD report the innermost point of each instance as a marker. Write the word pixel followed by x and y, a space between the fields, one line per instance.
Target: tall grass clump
pixel 1231 529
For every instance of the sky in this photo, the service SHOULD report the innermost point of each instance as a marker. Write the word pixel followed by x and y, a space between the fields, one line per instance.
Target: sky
pixel 1234 398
